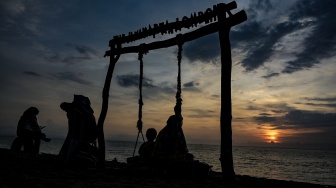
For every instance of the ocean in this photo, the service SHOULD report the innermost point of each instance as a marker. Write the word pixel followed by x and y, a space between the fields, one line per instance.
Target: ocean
pixel 301 165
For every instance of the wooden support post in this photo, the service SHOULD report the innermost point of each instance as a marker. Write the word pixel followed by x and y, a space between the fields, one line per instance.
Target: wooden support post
pixel 105 96
pixel 226 157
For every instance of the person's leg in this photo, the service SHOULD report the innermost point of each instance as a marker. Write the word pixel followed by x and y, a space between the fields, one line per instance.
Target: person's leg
pixel 71 151
pixel 65 146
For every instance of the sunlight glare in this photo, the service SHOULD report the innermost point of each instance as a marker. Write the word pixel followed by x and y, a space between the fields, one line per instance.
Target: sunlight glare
pixel 271 136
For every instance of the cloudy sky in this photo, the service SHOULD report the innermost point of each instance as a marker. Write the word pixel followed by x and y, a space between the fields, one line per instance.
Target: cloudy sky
pixel 283 75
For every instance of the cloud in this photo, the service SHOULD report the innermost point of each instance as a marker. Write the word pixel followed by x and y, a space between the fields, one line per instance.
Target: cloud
pixel 265 114
pixel 247 33
pixel 13 7
pixel 20 20
pixel 71 77
pixel 264 5
pixel 205 49
pixel 329 102
pixel 132 80
pixel 191 84
pixel 158 92
pixel 199 113
pixel 251 37
pixel 299 119
pixel 271 75
pixel 326 102
pixel 265 119
pixel 258 41
pixel 84 50
pixel 85 53
pixel 75 59
pixel 329 105
pixel 331 99
pixel 321 43
pixel 277 108
pixel 30 73
pixel 260 50
pixel 278 111
pixel 78 54
pixel 257 7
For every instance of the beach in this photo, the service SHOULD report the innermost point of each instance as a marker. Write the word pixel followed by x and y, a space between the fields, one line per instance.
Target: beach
pixel 19 169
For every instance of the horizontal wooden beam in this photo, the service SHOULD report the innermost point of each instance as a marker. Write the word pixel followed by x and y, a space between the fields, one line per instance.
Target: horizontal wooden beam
pixel 208 16
pixel 181 38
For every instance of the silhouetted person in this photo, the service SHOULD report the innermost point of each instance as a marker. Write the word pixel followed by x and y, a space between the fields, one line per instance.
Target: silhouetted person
pixel 170 143
pixel 29 132
pixel 146 149
pixel 82 130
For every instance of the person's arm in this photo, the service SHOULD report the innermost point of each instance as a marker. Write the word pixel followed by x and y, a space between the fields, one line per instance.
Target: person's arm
pixel 35 127
pixel 66 106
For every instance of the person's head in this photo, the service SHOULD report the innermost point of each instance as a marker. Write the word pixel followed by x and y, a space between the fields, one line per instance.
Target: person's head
pixel 151 134
pixel 172 121
pixel 82 102
pixel 31 111
pixel 80 99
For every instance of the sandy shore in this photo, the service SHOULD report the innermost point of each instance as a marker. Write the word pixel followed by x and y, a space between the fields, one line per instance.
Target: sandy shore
pixel 27 170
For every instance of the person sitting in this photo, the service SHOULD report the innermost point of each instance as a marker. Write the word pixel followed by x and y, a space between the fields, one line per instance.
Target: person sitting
pixel 82 132
pixel 170 143
pixel 29 133
pixel 146 149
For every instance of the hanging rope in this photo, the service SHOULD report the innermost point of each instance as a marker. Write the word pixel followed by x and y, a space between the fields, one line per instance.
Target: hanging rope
pixel 139 122
pixel 178 106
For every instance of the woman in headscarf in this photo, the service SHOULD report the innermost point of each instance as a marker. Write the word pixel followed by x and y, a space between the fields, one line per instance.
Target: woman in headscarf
pixel 170 142
pixel 29 132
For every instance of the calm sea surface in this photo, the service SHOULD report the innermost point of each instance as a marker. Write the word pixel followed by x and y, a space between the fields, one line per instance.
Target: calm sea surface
pixel 312 166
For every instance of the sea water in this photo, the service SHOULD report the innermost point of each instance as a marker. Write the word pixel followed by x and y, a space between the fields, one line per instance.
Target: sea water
pixel 302 165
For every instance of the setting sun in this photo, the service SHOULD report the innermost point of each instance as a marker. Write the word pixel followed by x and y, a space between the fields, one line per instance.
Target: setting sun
pixel 271 136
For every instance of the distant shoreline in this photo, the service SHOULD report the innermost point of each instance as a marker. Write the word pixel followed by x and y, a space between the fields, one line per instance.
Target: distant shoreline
pixel 28 170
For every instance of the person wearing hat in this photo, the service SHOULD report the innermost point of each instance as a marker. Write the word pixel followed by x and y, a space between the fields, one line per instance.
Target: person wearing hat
pixel 82 130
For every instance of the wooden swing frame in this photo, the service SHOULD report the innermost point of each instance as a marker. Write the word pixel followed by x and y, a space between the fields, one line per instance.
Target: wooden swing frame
pixel 217 21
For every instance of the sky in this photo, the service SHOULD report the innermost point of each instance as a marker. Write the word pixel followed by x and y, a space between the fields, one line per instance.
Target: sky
pixel 283 69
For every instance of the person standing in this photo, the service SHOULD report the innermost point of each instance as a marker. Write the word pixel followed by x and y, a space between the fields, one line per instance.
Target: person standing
pixel 29 132
pixel 82 131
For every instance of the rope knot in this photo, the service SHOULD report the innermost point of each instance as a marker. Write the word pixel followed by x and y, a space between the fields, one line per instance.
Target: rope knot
pixel 142 50
pixel 140 102
pixel 139 125
pixel 179 39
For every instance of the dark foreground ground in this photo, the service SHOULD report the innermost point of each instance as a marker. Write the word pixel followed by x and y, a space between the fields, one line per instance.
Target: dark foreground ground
pixel 26 170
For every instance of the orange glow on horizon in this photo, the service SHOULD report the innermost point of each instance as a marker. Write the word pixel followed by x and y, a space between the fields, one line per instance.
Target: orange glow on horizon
pixel 271 136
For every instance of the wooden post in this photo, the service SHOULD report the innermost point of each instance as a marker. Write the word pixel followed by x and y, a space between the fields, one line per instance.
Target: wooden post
pixel 226 158
pixel 105 96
